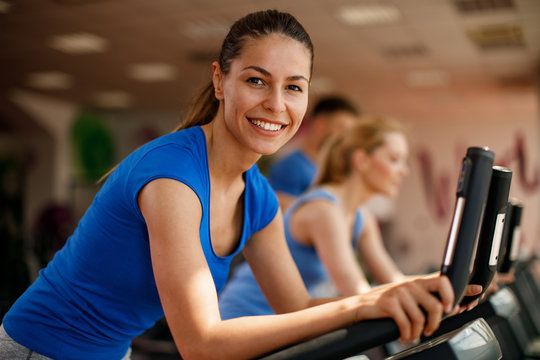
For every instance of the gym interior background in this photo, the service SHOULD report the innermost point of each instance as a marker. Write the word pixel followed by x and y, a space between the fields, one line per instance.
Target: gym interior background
pixel 84 82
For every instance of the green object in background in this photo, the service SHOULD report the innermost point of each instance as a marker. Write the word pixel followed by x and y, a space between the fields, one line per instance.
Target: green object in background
pixel 93 147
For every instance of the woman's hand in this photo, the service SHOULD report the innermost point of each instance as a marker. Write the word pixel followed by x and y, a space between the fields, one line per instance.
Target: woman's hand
pixel 413 304
pixel 470 290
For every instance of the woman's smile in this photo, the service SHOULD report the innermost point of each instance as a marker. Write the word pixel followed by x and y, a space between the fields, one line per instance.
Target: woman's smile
pixel 266 125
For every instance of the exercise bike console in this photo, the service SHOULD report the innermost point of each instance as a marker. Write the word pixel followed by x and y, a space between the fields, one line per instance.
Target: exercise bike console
pixel 472 192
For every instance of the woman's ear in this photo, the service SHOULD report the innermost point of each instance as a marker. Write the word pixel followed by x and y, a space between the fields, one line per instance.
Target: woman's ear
pixel 360 159
pixel 217 80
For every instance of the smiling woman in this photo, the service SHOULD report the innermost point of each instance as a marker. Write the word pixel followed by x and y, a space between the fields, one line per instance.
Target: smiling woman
pixel 271 97
pixel 160 234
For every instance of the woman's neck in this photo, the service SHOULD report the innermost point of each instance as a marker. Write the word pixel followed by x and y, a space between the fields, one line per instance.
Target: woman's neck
pixel 227 160
pixel 351 193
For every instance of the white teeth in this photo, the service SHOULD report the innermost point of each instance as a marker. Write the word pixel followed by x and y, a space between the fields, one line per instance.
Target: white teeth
pixel 265 125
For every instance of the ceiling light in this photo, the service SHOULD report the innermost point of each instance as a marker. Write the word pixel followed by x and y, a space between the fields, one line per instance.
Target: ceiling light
pixel 497 36
pixel 426 78
pixel 209 29
pixel 4 7
pixel 79 43
pixel 113 99
pixel 401 52
pixel 50 80
pixel 368 14
pixel 74 2
pixel 469 6
pixel 151 72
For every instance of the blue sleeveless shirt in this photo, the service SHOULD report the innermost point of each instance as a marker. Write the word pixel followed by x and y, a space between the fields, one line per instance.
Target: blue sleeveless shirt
pixel 242 295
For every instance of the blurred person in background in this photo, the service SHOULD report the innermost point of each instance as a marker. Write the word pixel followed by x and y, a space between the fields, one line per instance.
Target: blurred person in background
pixel 291 174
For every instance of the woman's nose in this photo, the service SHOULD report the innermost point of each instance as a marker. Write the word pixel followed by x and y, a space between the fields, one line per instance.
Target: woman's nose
pixel 405 170
pixel 275 102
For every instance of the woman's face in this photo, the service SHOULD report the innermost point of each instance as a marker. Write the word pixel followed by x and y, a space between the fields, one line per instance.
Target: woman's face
pixel 264 96
pixel 388 165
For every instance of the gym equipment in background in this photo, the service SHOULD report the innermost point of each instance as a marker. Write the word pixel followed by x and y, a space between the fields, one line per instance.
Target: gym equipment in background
pixel 472 193
pixel 491 231
pixel 526 327
pixel 508 253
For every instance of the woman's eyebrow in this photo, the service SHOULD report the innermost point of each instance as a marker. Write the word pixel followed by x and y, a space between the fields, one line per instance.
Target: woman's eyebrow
pixel 267 73
pixel 298 77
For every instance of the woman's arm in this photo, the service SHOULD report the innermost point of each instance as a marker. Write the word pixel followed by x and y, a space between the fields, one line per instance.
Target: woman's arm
pixel 188 296
pixel 322 224
pixel 373 253
pixel 267 253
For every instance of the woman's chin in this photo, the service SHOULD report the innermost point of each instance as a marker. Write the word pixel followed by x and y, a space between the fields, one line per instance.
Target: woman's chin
pixel 391 193
pixel 268 149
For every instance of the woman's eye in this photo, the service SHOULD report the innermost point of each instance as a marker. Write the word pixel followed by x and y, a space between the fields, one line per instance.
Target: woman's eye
pixel 255 81
pixel 294 88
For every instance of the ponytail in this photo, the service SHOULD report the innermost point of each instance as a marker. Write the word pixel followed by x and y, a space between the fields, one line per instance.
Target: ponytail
pixel 202 109
pixel 335 162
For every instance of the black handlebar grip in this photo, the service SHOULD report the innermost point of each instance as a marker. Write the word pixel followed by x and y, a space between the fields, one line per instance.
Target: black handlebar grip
pixel 340 343
pixel 491 231
pixel 512 235
pixel 472 191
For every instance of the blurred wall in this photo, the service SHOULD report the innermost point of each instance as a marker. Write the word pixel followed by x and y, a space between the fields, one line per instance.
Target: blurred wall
pixel 424 210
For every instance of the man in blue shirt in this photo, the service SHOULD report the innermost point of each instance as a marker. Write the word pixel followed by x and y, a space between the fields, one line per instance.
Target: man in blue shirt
pixel 293 173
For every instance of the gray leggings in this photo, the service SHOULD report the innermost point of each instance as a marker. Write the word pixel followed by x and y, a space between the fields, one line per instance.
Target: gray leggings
pixel 12 350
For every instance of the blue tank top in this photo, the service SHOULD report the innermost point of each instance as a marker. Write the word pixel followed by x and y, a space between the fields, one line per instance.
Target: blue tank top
pixel 99 290
pixel 242 295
